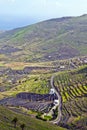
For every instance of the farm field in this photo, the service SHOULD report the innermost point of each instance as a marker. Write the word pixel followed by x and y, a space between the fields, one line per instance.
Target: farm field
pixel 29 57
pixel 73 89
pixel 72 84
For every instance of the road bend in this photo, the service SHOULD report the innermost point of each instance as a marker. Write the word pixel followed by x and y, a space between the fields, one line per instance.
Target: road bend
pixel 56 89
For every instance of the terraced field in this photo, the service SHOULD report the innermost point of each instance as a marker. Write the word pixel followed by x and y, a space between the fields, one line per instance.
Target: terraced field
pixel 29 56
pixel 73 88
pixel 71 83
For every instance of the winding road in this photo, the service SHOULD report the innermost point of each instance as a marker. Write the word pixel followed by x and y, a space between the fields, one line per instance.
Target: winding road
pixel 58 119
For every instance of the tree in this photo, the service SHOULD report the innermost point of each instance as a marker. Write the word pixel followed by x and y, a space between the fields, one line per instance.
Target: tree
pixel 22 126
pixel 14 121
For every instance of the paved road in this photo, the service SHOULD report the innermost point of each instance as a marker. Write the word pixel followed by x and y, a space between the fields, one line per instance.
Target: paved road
pixel 58 119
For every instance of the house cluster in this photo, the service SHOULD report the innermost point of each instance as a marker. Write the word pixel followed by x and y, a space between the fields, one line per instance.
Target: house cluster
pixel 56 101
pixel 83 60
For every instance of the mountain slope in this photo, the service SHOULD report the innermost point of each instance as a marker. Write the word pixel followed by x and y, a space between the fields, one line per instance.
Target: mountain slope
pixel 6 117
pixel 53 39
pixel 73 88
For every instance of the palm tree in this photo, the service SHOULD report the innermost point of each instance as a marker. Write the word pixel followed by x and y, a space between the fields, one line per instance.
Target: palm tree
pixel 22 126
pixel 14 121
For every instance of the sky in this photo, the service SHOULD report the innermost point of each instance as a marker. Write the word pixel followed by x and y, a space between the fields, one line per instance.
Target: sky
pixel 17 13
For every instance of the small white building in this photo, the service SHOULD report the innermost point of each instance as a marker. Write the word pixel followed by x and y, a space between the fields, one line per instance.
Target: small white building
pixel 62 67
pixel 85 61
pixel 56 102
pixel 52 91
pixel 49 56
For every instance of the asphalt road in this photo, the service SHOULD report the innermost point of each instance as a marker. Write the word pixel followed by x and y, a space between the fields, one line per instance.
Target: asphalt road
pixel 58 119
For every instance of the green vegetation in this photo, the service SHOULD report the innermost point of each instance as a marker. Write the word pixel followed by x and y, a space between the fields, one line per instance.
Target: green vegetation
pixel 46 41
pixel 45 44
pixel 34 83
pixel 6 117
pixel 14 121
pixel 73 88
pixel 22 126
pixel 38 84
pixel 72 84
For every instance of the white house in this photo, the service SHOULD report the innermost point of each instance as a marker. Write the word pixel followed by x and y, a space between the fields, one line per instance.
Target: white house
pixel 52 91
pixel 56 102
pixel 85 61
pixel 62 67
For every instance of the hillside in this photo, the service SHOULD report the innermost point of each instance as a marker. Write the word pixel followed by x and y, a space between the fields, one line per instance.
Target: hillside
pixel 72 85
pixel 29 57
pixel 73 89
pixel 53 39
pixel 6 117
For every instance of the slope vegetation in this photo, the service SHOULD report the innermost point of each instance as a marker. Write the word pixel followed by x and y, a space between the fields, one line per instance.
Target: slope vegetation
pixel 73 88
pixel 6 117
pixel 49 40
